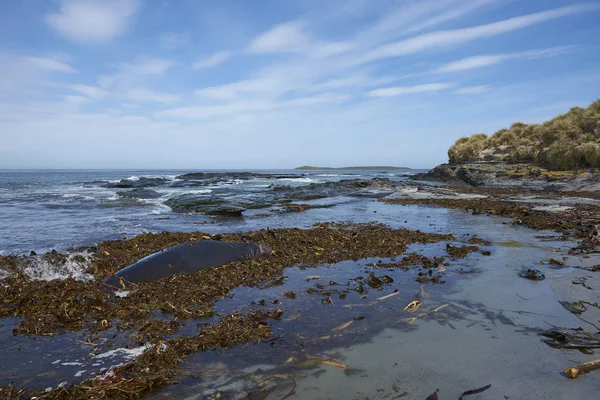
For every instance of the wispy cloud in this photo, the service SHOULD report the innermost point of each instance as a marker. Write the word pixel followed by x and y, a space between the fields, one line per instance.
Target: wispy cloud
pixel 172 40
pixel 244 107
pixel 147 66
pixel 313 76
pixel 492 59
pixel 91 92
pixel 412 17
pixel 213 60
pixel 288 37
pixel 352 81
pixel 92 21
pixel 50 64
pixel 437 39
pixel 147 95
pixel 402 90
pixel 472 90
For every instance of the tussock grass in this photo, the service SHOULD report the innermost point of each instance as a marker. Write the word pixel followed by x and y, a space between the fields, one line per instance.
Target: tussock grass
pixel 568 141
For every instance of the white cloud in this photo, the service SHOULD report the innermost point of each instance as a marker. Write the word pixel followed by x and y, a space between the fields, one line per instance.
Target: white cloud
pixel 147 95
pixel 437 39
pixel 92 21
pixel 402 90
pixel 331 49
pixel 147 66
pixel 454 11
pixel 213 60
pixel 91 92
pixel 260 86
pixel 472 90
pixel 488 60
pixel 75 100
pixel 413 16
pixel 245 107
pixel 49 64
pixel 288 37
pixel 349 82
pixel 172 40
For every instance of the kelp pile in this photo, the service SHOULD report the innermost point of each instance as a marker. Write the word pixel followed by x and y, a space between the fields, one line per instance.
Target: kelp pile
pixel 576 221
pixel 57 306
pixel 53 307
pixel 154 368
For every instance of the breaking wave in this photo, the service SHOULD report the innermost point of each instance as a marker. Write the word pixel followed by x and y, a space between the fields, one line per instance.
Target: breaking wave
pixel 73 266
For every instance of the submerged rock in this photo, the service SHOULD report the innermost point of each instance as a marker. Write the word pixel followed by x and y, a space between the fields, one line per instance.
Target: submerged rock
pixel 226 211
pixel 533 274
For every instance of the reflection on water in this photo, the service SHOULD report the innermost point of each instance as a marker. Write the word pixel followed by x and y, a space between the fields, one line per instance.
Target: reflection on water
pixel 339 337
pixel 477 329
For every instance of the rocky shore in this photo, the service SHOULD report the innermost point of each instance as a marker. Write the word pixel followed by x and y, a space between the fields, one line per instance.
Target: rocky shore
pixel 170 320
pixel 523 175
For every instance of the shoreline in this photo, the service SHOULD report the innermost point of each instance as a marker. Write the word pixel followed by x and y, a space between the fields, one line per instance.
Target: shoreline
pixel 571 214
pixel 517 175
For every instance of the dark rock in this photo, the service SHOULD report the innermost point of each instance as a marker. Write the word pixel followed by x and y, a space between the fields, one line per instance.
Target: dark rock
pixel 223 176
pixel 532 274
pixel 225 211
pixel 140 193
pixel 208 206
pixel 140 183
pixel 509 174
pixel 190 203
pixel 377 282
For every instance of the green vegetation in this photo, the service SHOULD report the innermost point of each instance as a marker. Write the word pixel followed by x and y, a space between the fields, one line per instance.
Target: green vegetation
pixel 310 168
pixel 569 141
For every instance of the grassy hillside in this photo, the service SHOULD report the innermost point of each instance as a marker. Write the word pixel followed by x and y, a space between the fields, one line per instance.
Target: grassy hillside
pixel 568 141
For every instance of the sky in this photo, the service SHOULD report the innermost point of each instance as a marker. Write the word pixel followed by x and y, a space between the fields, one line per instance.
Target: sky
pixel 210 84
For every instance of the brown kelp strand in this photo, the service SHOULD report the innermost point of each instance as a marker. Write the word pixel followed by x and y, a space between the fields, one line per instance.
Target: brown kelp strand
pixel 155 367
pixel 577 222
pixel 51 307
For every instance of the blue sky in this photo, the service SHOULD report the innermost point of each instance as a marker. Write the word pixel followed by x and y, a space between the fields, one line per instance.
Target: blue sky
pixel 277 84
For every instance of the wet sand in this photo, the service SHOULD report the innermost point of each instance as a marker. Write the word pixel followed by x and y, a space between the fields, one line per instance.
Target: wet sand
pixel 487 331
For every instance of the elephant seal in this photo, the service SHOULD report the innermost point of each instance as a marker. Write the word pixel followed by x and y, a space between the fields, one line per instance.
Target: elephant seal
pixel 184 259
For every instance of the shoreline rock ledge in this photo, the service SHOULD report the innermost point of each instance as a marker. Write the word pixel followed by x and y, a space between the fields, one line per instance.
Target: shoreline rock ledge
pixel 496 174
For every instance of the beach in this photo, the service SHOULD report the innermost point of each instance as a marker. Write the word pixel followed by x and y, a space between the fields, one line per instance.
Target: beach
pixel 376 286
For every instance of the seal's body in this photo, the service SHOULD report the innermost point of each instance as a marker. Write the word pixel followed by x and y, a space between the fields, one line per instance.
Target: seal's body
pixel 185 259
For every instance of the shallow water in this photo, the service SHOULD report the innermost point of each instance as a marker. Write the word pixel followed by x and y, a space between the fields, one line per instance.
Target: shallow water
pixel 48 209
pixel 486 333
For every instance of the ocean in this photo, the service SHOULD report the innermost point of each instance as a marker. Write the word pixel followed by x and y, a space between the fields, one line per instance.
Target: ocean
pixel 42 210
pixel 340 336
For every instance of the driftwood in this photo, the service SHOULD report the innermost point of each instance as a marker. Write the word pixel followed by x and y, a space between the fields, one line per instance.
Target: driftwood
pixel 574 372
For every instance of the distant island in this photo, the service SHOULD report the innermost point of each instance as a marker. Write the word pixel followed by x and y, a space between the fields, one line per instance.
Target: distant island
pixel 376 167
